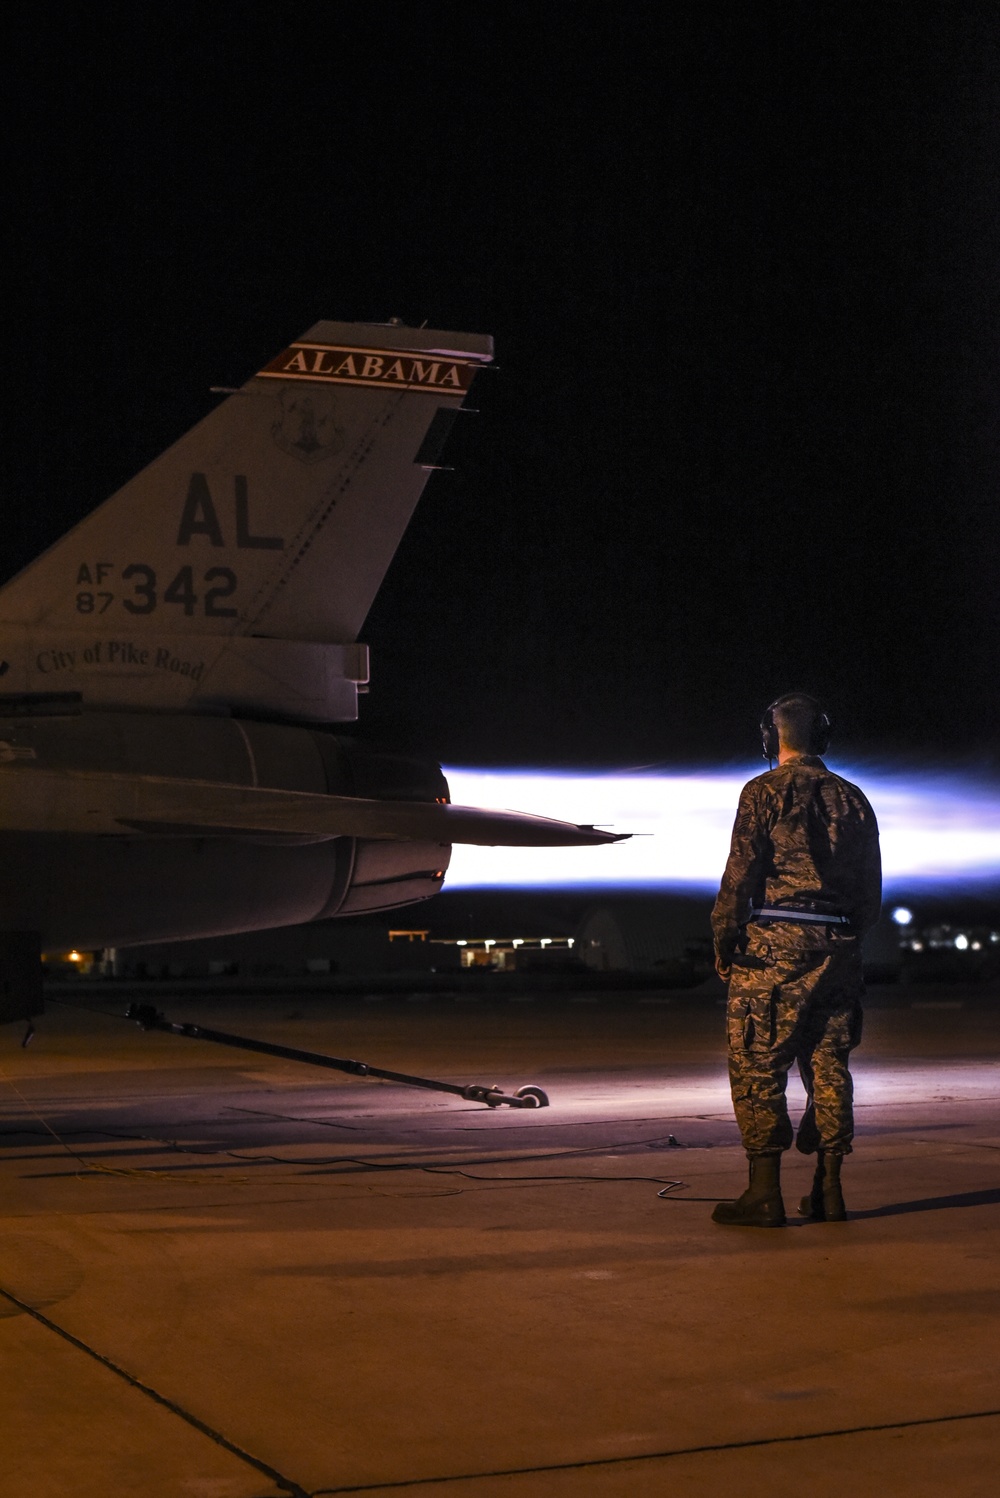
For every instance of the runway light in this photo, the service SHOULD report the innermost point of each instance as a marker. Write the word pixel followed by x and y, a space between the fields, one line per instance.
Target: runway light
pixel 902 916
pixel 939 830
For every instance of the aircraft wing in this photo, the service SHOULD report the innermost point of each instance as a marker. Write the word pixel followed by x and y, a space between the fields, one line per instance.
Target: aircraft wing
pixel 76 801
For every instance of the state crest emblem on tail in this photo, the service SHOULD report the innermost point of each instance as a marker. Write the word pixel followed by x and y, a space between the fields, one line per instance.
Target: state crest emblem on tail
pixel 306 427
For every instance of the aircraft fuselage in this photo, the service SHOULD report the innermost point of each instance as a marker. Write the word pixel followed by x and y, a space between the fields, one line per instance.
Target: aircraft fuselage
pixel 144 886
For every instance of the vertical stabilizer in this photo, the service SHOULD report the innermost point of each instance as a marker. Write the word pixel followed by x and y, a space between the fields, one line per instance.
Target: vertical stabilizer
pixel 273 520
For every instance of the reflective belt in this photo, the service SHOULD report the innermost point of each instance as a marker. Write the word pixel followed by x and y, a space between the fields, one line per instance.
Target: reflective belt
pixel 783 913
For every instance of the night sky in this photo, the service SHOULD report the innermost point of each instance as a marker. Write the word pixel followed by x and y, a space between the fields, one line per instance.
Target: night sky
pixel 741 264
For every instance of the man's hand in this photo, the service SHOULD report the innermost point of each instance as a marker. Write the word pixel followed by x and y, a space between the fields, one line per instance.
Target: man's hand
pixel 724 968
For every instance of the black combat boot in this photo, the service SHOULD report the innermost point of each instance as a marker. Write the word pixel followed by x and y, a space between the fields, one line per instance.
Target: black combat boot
pixel 760 1206
pixel 825 1202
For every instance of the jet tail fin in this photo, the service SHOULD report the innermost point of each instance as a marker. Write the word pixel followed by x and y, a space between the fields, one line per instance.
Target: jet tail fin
pixel 235 567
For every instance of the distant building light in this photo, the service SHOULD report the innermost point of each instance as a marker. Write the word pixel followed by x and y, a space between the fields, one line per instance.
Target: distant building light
pixel 489 943
pixel 571 941
pixel 74 956
pixel 546 941
pixel 961 941
pixel 461 944
pixel 977 946
pixel 917 946
pixel 902 916
pixel 517 941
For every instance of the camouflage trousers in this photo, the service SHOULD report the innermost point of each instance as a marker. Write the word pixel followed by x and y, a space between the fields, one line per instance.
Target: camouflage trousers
pixel 794 996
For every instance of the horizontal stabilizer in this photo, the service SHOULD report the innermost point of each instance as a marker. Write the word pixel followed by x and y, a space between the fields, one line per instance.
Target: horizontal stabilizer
pixel 59 801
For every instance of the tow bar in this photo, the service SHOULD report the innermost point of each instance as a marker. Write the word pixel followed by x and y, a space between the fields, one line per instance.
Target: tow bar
pixel 149 1018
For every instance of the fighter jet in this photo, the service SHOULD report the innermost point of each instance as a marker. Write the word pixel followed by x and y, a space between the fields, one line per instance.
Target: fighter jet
pixel 175 672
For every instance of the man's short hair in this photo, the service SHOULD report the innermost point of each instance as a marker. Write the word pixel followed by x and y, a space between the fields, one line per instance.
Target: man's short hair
pixel 801 723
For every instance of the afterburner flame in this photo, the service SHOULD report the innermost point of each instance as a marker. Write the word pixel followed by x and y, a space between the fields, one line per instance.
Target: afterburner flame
pixel 939 830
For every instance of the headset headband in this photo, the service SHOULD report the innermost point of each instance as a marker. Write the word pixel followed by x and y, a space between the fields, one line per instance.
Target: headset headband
pixel 819 733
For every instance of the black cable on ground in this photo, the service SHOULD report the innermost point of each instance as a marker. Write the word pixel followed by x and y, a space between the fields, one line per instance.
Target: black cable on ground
pixel 364 1163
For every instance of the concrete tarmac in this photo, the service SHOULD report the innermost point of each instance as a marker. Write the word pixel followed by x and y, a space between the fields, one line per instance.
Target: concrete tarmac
pixel 228 1276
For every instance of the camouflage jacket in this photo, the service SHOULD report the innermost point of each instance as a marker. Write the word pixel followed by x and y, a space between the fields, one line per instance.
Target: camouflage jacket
pixel 803 838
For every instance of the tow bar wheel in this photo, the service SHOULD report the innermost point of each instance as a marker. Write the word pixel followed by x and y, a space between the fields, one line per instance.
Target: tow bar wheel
pixel 533 1097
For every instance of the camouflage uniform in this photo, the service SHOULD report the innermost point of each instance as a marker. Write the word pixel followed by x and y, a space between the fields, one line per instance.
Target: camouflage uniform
pixel 805 840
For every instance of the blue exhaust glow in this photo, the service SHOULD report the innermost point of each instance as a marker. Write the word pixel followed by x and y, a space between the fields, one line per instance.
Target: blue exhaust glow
pixel 939 831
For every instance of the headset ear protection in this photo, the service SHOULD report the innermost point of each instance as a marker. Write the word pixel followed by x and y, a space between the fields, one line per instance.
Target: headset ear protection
pixel 819 733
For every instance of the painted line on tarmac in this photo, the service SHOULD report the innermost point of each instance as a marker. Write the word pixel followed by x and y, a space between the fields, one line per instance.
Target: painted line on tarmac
pixel 284 1483
pixel 653 1456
